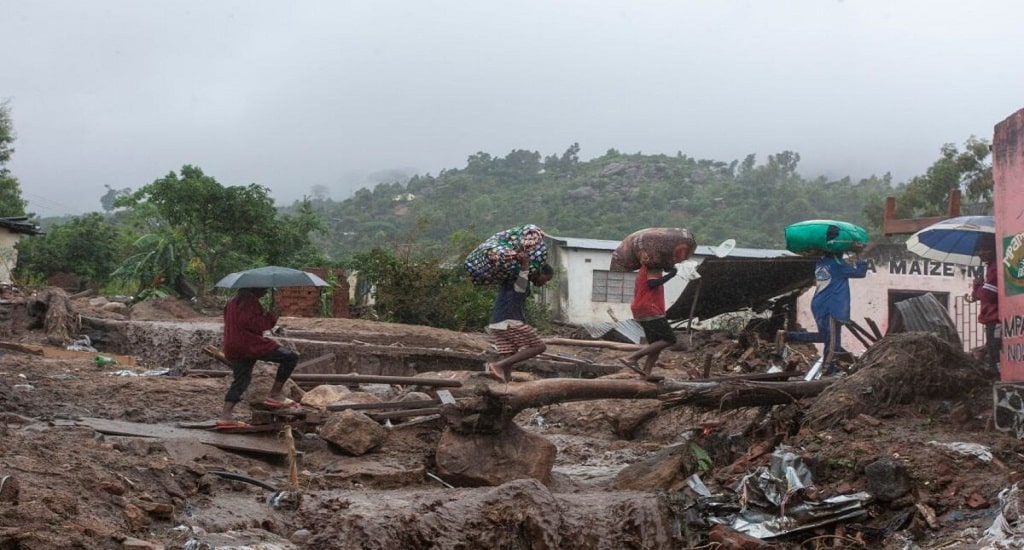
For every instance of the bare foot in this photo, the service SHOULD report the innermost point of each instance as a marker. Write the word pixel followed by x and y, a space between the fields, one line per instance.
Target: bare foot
pixel 496 372
pixel 633 366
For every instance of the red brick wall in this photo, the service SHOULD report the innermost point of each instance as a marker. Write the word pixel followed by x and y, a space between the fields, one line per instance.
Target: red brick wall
pixel 304 301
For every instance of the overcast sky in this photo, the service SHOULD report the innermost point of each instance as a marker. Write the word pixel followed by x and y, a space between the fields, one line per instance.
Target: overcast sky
pixel 292 95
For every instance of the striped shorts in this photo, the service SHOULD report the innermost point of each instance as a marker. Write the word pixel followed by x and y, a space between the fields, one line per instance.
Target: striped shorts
pixel 513 337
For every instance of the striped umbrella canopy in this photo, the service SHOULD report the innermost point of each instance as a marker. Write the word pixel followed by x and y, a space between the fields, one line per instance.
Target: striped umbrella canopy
pixel 954 240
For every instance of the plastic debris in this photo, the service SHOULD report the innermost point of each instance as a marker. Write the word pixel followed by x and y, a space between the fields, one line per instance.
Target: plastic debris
pixel 1007 530
pixel 103 361
pixel 153 372
pixel 770 501
pixel 976 450
pixel 81 344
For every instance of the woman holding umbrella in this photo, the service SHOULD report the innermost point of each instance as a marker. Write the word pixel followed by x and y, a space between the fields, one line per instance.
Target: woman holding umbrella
pixel 245 321
pixel 968 240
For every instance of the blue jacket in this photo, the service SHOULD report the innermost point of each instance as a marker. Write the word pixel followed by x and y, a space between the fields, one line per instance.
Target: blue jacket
pixel 832 276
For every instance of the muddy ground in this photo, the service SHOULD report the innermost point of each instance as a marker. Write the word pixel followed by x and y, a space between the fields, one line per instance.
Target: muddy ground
pixel 68 486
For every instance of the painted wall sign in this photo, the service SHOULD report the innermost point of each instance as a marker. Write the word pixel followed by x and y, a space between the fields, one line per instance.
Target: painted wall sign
pixel 1013 263
pixel 932 269
pixel 1008 197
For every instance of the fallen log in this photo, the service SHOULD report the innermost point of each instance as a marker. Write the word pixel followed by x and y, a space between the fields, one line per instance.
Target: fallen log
pixel 216 353
pixel 592 344
pixel 417 404
pixel 381 416
pixel 743 393
pixel 482 433
pixel 493 410
pixel 346 379
pixel 668 386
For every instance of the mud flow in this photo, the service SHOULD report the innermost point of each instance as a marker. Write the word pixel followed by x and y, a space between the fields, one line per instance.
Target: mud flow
pixel 402 440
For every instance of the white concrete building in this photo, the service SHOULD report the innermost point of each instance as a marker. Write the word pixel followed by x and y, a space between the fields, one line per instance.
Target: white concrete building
pixel 895 274
pixel 13 230
pixel 587 291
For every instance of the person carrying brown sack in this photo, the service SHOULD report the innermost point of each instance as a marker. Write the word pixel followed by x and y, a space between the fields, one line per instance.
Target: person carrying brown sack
pixel 648 307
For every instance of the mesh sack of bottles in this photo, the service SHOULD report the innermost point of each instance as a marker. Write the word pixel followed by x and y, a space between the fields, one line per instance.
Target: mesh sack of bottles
pixel 654 247
pixel 495 262
pixel 816 237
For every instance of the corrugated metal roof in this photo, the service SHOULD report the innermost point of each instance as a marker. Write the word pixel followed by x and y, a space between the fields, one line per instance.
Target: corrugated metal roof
pixel 21 225
pixel 628 329
pixel 602 244
pixel 925 313
pixel 735 283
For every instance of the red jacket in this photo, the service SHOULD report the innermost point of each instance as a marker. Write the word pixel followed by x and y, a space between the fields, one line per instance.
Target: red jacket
pixel 245 321
pixel 986 293
pixel 647 302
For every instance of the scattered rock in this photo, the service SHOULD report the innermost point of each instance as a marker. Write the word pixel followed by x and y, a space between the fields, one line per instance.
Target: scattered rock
pixel 470 460
pixel 886 480
pixel 321 396
pixel 976 501
pixel 667 469
pixel 139 544
pixel 731 539
pixel 353 432
pixel 9 489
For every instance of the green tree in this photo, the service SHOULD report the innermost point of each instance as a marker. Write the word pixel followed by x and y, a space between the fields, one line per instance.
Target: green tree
pixel 197 230
pixel 969 170
pixel 88 246
pixel 108 198
pixel 11 203
pixel 422 291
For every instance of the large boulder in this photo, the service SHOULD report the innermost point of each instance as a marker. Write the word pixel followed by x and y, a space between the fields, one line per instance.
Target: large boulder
pixel 667 469
pixel 323 395
pixel 473 460
pixel 353 432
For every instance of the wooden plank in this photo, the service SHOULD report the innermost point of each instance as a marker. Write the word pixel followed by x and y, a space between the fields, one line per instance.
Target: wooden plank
pixel 61 353
pixel 417 404
pixel 34 350
pixel 874 327
pixel 233 442
pixel 346 379
pixel 403 414
pixel 217 354
pixel 315 361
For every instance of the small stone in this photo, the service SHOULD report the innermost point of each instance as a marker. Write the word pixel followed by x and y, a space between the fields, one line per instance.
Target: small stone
pixel 300 536
pixel 976 501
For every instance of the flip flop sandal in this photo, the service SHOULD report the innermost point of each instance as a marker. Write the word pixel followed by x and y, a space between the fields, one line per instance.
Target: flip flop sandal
pixel 285 403
pixel 231 425
pixel 633 366
pixel 496 372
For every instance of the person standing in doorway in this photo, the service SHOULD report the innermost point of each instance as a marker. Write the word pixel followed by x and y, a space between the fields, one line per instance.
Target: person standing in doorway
pixel 986 293
pixel 648 307
pixel 245 321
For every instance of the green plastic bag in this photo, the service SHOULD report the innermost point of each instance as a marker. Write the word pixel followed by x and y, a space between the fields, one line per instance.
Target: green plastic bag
pixel 815 237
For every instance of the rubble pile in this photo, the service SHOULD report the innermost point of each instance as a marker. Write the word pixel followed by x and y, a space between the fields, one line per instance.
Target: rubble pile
pixel 899 369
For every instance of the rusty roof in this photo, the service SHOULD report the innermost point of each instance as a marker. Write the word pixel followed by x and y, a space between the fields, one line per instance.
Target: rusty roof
pixel 21 225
